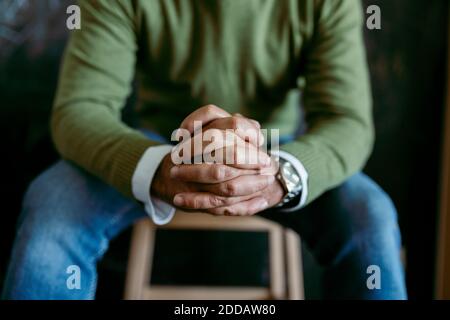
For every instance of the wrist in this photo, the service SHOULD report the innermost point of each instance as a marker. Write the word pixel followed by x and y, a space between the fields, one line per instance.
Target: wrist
pixel 158 187
pixel 279 192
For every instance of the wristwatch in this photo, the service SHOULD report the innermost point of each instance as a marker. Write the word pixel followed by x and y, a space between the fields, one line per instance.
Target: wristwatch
pixel 290 180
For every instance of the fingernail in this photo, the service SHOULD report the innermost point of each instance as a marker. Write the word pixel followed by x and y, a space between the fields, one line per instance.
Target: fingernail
pixel 270 179
pixel 178 200
pixel 174 171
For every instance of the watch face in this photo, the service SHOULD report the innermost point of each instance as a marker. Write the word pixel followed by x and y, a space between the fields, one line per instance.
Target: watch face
pixel 290 176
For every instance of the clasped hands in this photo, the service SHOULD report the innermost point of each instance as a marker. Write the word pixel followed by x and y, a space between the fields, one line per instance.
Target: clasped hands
pixel 238 188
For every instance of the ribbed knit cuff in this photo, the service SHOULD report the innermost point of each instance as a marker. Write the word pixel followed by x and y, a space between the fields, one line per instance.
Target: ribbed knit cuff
pixel 127 158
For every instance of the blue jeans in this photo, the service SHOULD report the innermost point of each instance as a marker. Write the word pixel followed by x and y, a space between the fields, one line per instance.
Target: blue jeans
pixel 70 216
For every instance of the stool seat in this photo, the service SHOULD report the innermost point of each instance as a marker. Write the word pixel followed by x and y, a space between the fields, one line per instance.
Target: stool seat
pixel 286 276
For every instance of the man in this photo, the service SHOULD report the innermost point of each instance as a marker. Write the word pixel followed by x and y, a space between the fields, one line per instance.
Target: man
pixel 245 57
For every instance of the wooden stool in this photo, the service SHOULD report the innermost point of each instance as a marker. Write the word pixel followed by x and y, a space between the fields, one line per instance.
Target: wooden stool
pixel 286 277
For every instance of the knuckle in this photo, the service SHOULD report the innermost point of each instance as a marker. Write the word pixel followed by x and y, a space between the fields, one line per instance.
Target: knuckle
pixel 214 132
pixel 210 108
pixel 216 201
pixel 235 122
pixel 217 173
pixel 188 202
pixel 230 189
pixel 221 173
pixel 229 212
pixel 193 202
pixel 197 203
pixel 228 172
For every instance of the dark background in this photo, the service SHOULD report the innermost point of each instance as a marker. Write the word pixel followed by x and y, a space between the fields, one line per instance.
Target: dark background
pixel 407 62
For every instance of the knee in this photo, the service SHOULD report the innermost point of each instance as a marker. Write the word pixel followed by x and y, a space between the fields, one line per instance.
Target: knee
pixel 370 209
pixel 40 208
pixel 49 207
pixel 49 188
pixel 42 233
pixel 65 204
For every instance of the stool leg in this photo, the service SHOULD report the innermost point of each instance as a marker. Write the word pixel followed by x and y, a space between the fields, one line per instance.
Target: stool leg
pixel 140 260
pixel 276 254
pixel 294 266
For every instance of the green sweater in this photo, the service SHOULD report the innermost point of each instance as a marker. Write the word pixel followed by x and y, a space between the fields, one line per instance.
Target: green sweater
pixel 249 56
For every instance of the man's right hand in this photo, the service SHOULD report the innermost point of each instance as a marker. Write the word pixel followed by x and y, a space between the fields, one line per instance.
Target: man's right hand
pixel 222 185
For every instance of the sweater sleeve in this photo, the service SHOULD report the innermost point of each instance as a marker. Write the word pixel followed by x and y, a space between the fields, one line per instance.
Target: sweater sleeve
pixel 95 81
pixel 337 98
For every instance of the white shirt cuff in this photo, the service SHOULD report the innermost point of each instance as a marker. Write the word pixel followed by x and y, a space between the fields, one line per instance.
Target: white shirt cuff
pixel 160 211
pixel 296 163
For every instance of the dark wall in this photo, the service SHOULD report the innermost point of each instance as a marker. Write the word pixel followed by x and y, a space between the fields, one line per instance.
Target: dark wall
pixel 406 58
pixel 408 61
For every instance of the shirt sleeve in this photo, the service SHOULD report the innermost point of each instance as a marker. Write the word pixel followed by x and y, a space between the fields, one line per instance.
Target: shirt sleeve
pixel 160 211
